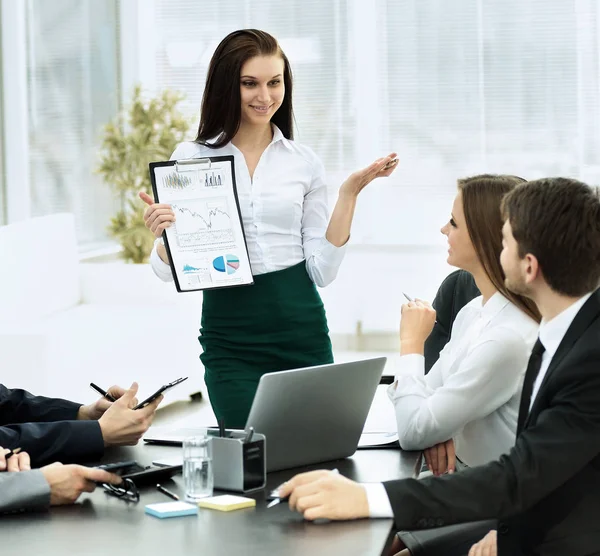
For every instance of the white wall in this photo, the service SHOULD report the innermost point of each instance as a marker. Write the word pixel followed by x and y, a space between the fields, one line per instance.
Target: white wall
pixel 371 281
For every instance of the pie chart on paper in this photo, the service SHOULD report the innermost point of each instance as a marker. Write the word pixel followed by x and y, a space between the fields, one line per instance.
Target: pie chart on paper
pixel 228 264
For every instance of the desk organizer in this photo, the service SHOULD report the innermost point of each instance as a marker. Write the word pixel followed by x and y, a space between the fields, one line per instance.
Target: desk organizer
pixel 239 466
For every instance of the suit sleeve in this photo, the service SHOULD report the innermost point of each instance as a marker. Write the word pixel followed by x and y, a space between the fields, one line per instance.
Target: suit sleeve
pixel 441 330
pixel 27 490
pixel 64 441
pixel 563 440
pixel 19 406
pixel 453 294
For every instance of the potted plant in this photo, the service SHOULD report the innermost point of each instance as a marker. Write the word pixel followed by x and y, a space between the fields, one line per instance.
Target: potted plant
pixel 148 130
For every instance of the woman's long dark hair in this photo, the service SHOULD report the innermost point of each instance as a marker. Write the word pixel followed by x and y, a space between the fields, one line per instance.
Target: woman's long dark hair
pixel 482 200
pixel 221 103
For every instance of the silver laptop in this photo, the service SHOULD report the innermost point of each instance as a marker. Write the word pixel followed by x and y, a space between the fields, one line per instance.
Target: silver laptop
pixel 308 415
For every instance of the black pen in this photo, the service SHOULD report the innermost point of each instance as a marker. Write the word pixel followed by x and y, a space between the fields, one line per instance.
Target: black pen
pixel 103 393
pixel 12 453
pixel 222 428
pixel 167 492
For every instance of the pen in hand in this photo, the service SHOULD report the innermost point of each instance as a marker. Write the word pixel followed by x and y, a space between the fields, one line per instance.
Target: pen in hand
pixel 103 393
pixel 411 299
pixel 276 500
pixel 12 453
pixel 167 492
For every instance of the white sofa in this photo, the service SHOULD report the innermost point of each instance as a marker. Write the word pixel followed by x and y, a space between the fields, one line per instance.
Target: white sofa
pixel 64 324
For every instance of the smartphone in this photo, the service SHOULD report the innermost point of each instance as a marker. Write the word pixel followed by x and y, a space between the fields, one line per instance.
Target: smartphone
pixel 141 476
pixel 146 476
pixel 162 389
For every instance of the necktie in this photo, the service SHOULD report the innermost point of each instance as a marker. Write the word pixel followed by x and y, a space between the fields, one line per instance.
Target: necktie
pixel 533 369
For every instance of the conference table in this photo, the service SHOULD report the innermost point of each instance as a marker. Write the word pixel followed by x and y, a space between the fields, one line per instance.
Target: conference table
pixel 102 524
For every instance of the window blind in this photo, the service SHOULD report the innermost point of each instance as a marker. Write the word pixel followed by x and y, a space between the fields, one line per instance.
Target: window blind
pixel 72 75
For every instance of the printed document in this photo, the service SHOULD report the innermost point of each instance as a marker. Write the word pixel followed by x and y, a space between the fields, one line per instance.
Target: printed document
pixel 206 244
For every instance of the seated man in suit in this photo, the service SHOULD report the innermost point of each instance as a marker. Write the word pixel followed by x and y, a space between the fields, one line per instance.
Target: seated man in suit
pixel 457 289
pixel 52 485
pixel 51 429
pixel 545 493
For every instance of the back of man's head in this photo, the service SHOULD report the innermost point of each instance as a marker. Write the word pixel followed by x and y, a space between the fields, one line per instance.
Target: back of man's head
pixel 558 221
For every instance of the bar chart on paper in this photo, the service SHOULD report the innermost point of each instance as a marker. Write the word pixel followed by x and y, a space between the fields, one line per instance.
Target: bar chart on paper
pixel 191 182
pixel 226 264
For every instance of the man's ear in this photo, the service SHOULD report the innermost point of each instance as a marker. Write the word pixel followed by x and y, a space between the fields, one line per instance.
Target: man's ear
pixel 532 268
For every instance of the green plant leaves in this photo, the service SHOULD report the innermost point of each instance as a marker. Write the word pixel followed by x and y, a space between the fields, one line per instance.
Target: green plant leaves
pixel 147 131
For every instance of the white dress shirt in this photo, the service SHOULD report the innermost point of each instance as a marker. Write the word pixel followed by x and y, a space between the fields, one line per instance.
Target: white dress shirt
pixel 472 393
pixel 284 209
pixel 551 334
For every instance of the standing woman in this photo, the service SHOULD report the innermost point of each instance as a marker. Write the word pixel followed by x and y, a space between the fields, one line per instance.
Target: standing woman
pixel 279 322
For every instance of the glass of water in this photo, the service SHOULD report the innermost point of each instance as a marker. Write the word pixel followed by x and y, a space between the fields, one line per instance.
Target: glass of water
pixel 197 467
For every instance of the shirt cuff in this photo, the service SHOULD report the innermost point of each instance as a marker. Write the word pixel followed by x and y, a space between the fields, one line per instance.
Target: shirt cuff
pixel 160 268
pixel 377 498
pixel 412 364
pixel 408 368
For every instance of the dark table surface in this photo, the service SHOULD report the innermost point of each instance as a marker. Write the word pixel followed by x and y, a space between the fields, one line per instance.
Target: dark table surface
pixel 101 524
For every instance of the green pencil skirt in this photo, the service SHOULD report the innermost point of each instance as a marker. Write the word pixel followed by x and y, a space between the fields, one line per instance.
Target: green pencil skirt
pixel 276 324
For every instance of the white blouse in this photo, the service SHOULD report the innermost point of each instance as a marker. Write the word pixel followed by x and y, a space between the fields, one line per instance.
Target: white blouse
pixel 473 391
pixel 284 209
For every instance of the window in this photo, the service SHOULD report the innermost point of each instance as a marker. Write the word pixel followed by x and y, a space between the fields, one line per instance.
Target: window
pixel 310 32
pixel 3 211
pixel 456 88
pixel 72 75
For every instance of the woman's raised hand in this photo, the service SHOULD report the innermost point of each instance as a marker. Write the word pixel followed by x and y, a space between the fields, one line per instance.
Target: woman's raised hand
pixel 381 168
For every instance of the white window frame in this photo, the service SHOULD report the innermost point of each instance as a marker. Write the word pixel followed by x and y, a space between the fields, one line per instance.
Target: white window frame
pixel 17 190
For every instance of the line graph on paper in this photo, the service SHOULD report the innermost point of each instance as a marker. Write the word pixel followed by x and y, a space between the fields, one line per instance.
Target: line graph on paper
pixel 203 222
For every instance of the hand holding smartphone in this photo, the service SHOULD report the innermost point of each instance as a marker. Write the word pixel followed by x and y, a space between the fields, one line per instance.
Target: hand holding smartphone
pixel 148 400
pixel 162 389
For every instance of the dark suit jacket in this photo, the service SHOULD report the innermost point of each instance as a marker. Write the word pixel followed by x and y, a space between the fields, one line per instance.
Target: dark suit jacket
pixel 546 491
pixel 47 428
pixel 454 293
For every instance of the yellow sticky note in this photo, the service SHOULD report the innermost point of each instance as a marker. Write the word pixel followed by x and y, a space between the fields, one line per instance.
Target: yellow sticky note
pixel 227 503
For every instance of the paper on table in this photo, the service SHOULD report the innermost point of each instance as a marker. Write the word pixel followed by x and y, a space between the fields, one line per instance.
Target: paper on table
pixel 227 503
pixel 171 509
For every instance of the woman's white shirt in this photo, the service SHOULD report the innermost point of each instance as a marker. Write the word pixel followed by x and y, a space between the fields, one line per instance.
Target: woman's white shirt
pixel 472 393
pixel 284 207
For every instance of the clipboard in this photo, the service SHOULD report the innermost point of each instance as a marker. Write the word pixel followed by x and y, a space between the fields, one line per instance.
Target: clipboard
pixel 206 245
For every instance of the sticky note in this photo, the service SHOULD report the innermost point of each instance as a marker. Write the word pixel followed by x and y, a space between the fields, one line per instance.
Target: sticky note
pixel 171 509
pixel 227 503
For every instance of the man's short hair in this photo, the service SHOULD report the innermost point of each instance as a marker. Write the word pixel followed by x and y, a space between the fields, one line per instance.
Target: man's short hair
pixel 558 221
